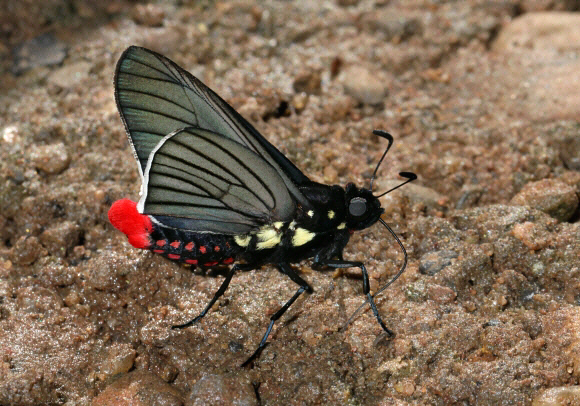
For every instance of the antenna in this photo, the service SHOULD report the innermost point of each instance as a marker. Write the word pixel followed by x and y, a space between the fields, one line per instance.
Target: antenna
pixel 388 137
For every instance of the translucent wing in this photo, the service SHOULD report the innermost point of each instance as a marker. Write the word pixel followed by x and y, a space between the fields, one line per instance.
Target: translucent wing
pixel 201 181
pixel 156 97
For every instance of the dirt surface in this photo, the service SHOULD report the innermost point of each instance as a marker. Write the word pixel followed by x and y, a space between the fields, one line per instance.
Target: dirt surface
pixel 483 99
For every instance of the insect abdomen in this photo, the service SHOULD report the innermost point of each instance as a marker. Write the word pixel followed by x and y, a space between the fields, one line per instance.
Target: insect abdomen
pixel 191 248
pixel 203 249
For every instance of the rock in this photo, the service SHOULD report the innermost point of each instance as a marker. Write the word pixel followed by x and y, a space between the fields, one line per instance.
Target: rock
pixel 558 31
pixel 544 76
pixel 364 86
pixel 563 395
pixel 433 262
pixel 308 82
pixel 61 238
pixel 441 294
pixel 44 50
pixel 223 390
pixel 120 358
pixel 531 235
pixel 52 159
pixel 394 27
pixel 416 194
pixel 27 250
pixel 70 74
pixel 151 15
pixel 551 196
pixel 139 388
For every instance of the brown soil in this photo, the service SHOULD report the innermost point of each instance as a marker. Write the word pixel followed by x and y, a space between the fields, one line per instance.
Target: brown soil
pixel 483 101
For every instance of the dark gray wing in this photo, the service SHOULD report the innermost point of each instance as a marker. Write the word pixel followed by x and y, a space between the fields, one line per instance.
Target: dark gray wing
pixel 156 97
pixel 202 181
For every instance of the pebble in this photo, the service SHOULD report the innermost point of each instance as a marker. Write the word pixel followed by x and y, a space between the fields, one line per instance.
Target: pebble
pixel 44 50
pixel 139 388
pixel 394 27
pixel 120 358
pixel 433 262
pixel 61 238
pixel 543 45
pixel 552 196
pixel 559 31
pixel 52 159
pixel 531 235
pixel 563 395
pixel 417 194
pixel 27 250
pixel 308 82
pixel 215 389
pixel 364 86
pixel 70 75
pixel 441 294
pixel 151 15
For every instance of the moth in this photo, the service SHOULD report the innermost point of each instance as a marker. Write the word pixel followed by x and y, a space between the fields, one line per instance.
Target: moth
pixel 216 193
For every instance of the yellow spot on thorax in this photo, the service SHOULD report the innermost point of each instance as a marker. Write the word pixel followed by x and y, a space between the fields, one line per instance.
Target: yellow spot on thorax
pixel 302 236
pixel 268 237
pixel 310 213
pixel 330 214
pixel 242 240
pixel 341 226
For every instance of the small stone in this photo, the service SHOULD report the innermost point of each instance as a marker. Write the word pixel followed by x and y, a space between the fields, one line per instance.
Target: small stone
pixel 139 388
pixel 70 74
pixel 441 294
pixel 529 234
pixel 44 50
pixel 417 194
pixel 347 3
pixel 120 359
pixel 27 250
pixel 394 27
pixel 563 395
pixel 364 86
pixel 52 159
pixel 548 30
pixel 433 262
pixel 551 196
pixel 72 299
pixel 61 238
pixel 215 389
pixel 308 82
pixel 151 15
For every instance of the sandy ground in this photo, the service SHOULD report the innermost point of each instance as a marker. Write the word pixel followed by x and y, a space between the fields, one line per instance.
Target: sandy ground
pixel 483 99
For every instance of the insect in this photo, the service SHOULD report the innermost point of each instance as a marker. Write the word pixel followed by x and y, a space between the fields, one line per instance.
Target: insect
pixel 214 192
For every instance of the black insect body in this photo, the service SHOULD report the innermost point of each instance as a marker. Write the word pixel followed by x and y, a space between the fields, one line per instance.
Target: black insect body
pixel 215 192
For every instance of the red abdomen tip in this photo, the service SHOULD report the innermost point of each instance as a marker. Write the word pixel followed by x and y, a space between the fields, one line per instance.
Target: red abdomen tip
pixel 124 216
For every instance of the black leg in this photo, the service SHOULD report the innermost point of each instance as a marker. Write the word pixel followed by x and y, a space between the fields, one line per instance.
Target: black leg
pixel 217 295
pixel 304 286
pixel 366 286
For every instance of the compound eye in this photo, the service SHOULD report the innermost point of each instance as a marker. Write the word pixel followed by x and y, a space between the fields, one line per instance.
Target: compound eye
pixel 357 206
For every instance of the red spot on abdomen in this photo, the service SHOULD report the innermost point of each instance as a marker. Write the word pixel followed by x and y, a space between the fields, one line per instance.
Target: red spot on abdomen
pixel 175 244
pixel 211 263
pixel 124 216
pixel 191 261
pixel 173 256
pixel 228 261
pixel 189 246
pixel 202 249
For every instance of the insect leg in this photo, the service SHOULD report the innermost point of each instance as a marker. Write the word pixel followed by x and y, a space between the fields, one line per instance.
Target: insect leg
pixel 366 286
pixel 218 294
pixel 304 286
